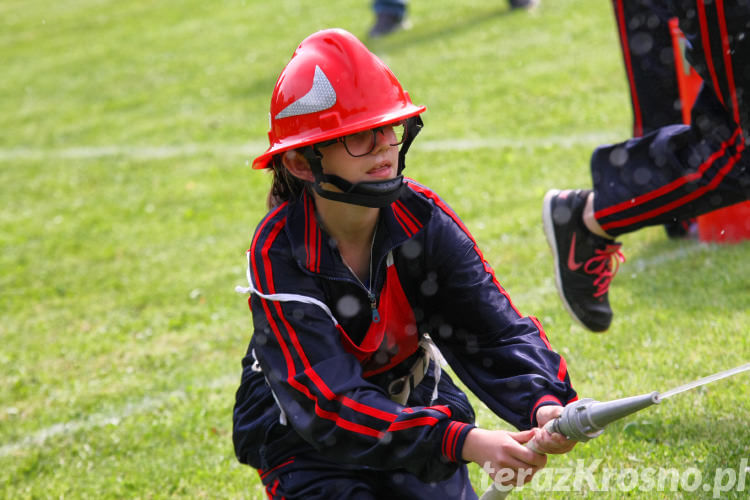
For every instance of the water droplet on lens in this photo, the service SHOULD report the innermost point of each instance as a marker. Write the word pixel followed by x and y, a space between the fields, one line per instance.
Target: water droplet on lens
pixel 445 331
pixel 618 157
pixel 641 43
pixel 561 215
pixel 348 306
pixel 642 176
pixel 429 287
pixel 411 249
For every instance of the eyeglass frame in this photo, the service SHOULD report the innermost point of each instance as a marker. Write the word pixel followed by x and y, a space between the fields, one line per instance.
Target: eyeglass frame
pixel 374 130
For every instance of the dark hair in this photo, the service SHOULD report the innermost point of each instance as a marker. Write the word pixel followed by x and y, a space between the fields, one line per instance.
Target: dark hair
pixel 284 186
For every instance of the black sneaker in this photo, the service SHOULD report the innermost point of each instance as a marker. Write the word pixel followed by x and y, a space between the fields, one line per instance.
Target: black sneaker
pixel 386 24
pixel 583 260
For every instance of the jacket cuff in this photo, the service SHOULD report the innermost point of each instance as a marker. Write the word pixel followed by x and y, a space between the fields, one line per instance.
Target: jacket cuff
pixel 453 440
pixel 543 401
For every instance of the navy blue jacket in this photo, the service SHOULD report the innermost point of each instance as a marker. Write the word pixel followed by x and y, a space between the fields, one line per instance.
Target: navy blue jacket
pixel 333 408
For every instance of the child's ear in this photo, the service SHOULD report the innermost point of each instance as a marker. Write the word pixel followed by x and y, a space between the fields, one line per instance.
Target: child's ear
pixel 297 165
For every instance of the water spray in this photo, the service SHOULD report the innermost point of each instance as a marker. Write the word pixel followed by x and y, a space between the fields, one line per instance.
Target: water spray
pixel 586 418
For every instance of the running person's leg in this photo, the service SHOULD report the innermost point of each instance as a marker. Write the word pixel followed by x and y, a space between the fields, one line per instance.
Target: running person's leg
pixel 673 172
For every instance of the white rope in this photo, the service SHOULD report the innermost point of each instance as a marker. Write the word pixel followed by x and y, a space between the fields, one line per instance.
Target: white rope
pixel 282 297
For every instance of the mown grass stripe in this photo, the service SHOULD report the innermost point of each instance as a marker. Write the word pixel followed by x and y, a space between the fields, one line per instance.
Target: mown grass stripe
pixel 144 405
pixel 168 151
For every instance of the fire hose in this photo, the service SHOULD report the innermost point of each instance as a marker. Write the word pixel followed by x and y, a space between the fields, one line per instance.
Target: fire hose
pixel 586 418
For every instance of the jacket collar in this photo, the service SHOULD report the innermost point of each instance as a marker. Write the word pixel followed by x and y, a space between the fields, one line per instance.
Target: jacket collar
pixel 316 251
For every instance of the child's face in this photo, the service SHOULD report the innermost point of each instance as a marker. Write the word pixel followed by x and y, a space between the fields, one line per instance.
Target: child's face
pixel 380 164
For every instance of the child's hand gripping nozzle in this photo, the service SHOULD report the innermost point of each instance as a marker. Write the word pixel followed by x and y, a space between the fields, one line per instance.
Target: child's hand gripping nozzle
pixel 583 420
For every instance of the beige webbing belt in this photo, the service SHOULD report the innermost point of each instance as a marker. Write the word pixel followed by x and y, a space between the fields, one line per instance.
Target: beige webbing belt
pixel 400 388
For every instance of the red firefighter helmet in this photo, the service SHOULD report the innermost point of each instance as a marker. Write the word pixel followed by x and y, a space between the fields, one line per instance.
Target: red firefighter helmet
pixel 333 86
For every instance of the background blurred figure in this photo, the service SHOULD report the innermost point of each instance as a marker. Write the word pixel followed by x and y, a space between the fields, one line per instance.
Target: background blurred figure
pixel 390 15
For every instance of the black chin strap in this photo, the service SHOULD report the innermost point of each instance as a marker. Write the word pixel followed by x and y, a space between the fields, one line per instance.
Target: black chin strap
pixel 375 194
pixel 413 126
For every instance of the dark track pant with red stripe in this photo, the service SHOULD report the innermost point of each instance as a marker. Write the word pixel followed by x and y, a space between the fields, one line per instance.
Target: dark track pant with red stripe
pixel 678 171
pixel 647 54
pixel 317 479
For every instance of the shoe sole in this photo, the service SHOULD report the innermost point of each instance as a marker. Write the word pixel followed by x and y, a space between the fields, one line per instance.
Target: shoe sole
pixel 549 232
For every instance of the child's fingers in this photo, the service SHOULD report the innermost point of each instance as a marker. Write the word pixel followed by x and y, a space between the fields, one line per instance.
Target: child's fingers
pixel 523 436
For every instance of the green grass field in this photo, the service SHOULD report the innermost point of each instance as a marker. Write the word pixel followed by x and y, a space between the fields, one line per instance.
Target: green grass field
pixel 128 203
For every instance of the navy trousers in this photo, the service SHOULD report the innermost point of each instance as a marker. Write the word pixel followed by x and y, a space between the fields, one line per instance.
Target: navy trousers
pixel 647 54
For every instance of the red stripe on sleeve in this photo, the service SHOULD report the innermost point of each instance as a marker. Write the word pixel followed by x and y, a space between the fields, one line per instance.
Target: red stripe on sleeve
pixel 441 204
pixel 450 439
pixel 542 334
pixel 441 409
pixel 264 255
pixel 333 416
pixel 290 370
pixel 348 402
pixel 253 263
pixel 563 370
pixel 416 422
pixel 543 399
pixel 272 289
pixel 346 424
pixel 446 437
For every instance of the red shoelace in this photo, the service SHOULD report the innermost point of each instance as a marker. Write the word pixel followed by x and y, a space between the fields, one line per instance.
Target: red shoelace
pixel 604 264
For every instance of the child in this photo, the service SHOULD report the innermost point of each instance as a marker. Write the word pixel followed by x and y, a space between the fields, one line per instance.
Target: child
pixel 342 394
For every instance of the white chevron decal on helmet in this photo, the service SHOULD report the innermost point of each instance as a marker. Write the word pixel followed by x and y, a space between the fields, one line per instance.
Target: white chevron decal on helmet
pixel 320 97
